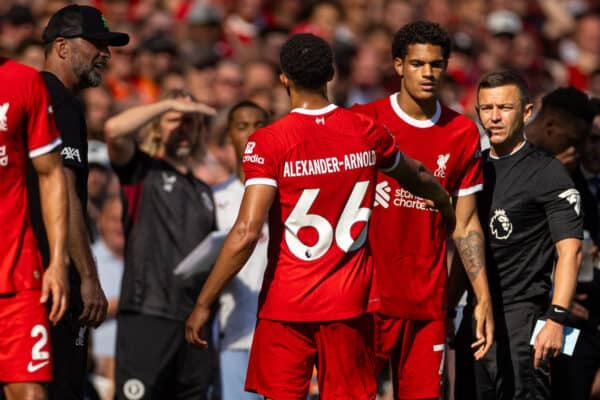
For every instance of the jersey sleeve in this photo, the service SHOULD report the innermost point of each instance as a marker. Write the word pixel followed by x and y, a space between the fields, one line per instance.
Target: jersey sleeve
pixel 561 202
pixel 386 149
pixel 260 161
pixel 364 109
pixel 471 180
pixel 42 135
pixel 74 150
pixel 135 170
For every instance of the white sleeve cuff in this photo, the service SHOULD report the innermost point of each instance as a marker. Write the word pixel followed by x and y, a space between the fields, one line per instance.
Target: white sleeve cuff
pixel 469 190
pixel 396 162
pixel 261 181
pixel 40 151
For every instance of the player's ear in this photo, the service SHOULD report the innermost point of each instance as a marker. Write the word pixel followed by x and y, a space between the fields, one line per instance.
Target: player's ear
pixel 527 112
pixel 284 80
pixel 399 66
pixel 61 47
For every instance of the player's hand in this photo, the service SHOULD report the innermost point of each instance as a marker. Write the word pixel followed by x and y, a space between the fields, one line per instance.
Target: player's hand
pixel 447 211
pixel 548 342
pixel 94 302
pixel 189 106
pixel 484 330
pixel 577 311
pixel 194 326
pixel 55 286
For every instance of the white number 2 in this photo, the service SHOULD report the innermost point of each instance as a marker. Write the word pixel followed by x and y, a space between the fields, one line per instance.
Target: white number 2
pixel 36 351
pixel 300 218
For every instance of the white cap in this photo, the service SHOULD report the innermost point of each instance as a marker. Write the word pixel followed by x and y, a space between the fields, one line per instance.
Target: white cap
pixel 504 22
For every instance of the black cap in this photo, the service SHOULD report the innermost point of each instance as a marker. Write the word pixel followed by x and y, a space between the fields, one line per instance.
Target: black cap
pixel 82 21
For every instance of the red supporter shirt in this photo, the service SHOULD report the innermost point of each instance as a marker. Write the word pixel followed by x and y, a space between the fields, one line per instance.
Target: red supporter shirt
pixel 324 165
pixel 407 239
pixel 26 130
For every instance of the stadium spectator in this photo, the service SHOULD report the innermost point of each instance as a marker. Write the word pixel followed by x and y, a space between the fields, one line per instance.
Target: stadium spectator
pixel 77 41
pixel 169 212
pixel 239 302
pixel 109 251
pixel 411 323
pixel 316 287
pixel 530 209
pixel 562 127
pixel 28 131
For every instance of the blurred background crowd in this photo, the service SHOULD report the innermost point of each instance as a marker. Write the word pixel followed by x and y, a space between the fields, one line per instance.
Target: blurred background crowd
pixel 225 51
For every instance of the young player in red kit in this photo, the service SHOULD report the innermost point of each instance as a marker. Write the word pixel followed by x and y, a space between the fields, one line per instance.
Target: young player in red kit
pixel 407 238
pixel 27 130
pixel 312 173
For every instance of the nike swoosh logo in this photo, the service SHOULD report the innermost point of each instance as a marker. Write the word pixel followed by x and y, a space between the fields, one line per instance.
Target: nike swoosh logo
pixel 558 311
pixel 34 367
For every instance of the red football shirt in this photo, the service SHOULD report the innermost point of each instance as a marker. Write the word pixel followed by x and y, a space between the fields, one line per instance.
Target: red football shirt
pixel 26 130
pixel 324 165
pixel 407 239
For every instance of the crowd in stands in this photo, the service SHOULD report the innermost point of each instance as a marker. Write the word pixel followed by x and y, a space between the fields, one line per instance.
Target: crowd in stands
pixel 226 51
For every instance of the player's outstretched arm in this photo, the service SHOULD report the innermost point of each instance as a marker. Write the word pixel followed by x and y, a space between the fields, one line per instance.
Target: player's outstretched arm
pixel 119 130
pixel 549 341
pixel 417 179
pixel 470 246
pixel 237 249
pixel 78 245
pixel 53 198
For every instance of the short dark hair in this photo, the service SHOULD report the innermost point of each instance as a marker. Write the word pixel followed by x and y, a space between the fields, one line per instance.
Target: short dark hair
pixel 245 104
pixel 571 101
pixel 420 32
pixel 307 60
pixel 504 78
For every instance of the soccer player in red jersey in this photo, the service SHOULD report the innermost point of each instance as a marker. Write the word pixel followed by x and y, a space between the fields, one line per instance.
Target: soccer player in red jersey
pixel 312 173
pixel 408 239
pixel 27 130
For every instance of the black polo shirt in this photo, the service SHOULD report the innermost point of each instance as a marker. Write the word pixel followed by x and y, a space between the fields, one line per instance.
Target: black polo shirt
pixel 529 203
pixel 166 215
pixel 70 121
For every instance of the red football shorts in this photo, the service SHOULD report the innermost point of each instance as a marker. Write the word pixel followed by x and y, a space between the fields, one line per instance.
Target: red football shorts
pixel 25 341
pixel 283 355
pixel 416 352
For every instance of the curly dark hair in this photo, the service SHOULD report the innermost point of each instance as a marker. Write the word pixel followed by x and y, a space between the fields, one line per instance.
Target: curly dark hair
pixel 307 60
pixel 569 100
pixel 421 32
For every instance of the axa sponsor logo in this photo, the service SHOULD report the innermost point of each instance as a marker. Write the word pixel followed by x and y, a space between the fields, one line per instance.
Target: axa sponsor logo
pixel 3 157
pixel 254 158
pixel 442 160
pixel 574 199
pixel 71 153
pixel 4 116
pixel 500 225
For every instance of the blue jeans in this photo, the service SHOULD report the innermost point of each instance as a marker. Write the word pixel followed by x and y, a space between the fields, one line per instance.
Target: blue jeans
pixel 234 364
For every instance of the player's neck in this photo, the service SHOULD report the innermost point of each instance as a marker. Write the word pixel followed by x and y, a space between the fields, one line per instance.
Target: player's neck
pixel 311 100
pixel 417 109
pixel 64 74
pixel 507 148
pixel 182 165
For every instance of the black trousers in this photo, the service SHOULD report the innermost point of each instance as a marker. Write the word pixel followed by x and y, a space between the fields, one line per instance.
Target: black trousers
pixel 572 377
pixel 154 361
pixel 506 372
pixel 69 341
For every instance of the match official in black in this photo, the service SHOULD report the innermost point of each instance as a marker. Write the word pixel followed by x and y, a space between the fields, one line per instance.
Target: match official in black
pixel 532 215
